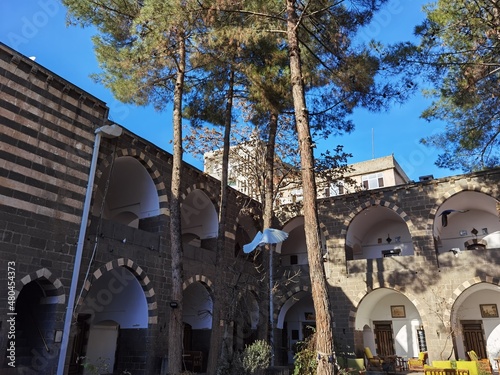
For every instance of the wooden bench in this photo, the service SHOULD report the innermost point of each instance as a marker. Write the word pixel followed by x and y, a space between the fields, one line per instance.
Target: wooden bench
pixel 445 371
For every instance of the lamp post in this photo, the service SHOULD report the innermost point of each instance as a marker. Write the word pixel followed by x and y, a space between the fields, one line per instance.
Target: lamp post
pixel 271 305
pixel 107 131
pixel 270 236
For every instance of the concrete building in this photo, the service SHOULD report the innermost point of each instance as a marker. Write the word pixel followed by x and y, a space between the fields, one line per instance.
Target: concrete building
pixel 246 171
pixel 410 267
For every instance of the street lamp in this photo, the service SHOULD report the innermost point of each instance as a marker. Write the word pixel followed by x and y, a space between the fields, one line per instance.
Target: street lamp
pixel 269 236
pixel 107 131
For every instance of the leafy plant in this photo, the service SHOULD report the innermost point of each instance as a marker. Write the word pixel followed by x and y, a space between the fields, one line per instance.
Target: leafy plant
pixel 256 356
pixel 305 362
pixel 100 367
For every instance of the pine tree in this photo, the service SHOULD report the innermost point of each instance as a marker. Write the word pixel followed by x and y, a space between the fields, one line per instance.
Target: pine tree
pixel 460 52
pixel 142 48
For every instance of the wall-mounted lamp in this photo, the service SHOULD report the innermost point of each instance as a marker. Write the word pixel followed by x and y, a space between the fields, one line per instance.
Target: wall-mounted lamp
pixel 174 304
pixel 58 336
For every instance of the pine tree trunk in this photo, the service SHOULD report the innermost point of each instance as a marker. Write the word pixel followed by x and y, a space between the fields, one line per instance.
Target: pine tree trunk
pixel 175 323
pixel 220 333
pixel 324 333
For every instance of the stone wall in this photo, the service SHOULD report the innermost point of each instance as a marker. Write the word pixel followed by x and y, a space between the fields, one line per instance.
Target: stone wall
pixel 47 138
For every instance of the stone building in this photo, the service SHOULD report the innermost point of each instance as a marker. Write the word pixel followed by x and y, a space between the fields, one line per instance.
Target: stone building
pixel 48 130
pixel 406 265
pixel 411 267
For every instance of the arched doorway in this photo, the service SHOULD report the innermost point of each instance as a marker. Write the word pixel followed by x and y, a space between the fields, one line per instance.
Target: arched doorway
pixel 115 312
pixel 247 320
pixel 35 322
pixel 197 318
pixel 297 321
pixel 476 322
pixel 390 324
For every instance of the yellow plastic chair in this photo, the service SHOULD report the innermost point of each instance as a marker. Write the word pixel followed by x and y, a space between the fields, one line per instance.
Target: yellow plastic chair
pixel 417 364
pixel 442 364
pixel 372 362
pixel 484 365
pixel 471 366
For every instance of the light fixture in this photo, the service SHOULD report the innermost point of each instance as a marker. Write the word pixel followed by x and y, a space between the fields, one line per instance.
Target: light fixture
pixel 106 131
pixel 58 336
pixel 174 304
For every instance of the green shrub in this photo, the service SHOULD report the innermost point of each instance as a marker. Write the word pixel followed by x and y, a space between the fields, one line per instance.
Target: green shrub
pixel 305 362
pixel 256 356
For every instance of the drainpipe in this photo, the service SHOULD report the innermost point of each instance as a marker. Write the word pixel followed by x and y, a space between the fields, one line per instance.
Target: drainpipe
pixel 107 131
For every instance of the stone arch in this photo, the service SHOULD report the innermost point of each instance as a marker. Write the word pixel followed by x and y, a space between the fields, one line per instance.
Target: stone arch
pixel 322 227
pixel 150 167
pixel 325 235
pixel 251 211
pixel 468 283
pixel 289 293
pixel 244 228
pixel 50 285
pixel 292 212
pixel 206 188
pixel 456 315
pixel 254 292
pixel 139 274
pixel 376 202
pixel 209 226
pixel 356 301
pixel 199 279
pixel 454 191
pixel 464 196
pixel 469 186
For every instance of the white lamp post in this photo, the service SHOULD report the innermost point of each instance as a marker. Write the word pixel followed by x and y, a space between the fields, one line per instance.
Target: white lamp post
pixel 107 131
pixel 269 236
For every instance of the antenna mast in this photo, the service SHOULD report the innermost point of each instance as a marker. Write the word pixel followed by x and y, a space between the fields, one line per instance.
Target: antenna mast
pixel 373 144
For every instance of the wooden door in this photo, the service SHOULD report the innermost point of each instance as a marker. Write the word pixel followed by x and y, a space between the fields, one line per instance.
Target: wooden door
pixel 79 344
pixel 474 338
pixel 384 339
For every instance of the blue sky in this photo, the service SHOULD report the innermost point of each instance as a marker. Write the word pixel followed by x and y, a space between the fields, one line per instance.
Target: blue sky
pixel 37 28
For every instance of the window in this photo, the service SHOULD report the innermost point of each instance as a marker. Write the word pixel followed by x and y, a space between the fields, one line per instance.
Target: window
pixel 336 188
pixel 373 181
